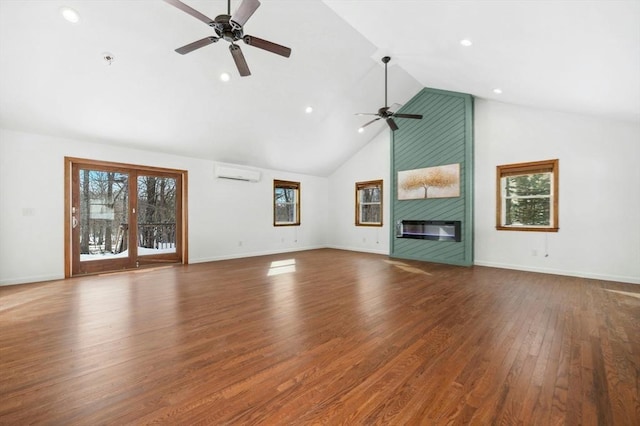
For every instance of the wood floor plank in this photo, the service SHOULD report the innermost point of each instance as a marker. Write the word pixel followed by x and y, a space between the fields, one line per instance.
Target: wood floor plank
pixel 322 336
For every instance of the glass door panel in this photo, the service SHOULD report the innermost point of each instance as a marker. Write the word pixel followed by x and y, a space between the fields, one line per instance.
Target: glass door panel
pixel 104 218
pixel 101 220
pixel 157 215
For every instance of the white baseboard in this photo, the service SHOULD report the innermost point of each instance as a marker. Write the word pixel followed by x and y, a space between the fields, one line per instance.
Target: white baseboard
pixel 252 254
pixel 32 279
pixel 359 249
pixel 580 274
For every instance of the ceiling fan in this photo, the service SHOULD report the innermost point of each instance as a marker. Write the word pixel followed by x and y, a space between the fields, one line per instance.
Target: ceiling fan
pixel 230 28
pixel 388 112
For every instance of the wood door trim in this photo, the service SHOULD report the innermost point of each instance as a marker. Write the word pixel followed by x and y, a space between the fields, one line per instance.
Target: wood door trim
pixel 70 162
pixel 68 190
pixel 122 166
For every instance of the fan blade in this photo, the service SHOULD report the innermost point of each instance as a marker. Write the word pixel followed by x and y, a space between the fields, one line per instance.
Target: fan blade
pixel 394 107
pixel 392 124
pixel 191 11
pixel 416 116
pixel 366 113
pixel 196 45
pixel 244 12
pixel 370 122
pixel 267 45
pixel 238 57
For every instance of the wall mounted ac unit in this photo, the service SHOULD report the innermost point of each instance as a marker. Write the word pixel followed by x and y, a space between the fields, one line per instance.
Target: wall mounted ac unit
pixel 231 171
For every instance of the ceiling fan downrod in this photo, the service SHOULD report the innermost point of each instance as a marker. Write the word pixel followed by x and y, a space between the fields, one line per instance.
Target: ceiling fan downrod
pixel 385 60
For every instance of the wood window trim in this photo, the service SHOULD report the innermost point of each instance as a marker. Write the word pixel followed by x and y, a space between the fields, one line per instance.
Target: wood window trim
pixel 288 185
pixel 368 184
pixel 528 168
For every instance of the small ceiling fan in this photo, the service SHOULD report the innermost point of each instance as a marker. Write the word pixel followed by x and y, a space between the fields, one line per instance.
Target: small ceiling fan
pixel 388 112
pixel 230 28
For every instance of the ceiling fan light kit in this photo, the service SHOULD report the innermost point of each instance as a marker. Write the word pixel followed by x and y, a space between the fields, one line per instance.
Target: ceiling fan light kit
pixel 388 112
pixel 231 29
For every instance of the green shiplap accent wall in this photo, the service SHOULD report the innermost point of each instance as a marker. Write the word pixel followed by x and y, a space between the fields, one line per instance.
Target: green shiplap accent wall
pixel 443 136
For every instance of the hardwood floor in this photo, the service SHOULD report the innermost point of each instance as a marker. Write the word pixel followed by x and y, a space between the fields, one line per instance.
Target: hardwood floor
pixel 323 336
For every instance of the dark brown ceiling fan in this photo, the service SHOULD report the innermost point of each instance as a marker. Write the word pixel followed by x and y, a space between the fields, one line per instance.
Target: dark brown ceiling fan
pixel 388 112
pixel 230 28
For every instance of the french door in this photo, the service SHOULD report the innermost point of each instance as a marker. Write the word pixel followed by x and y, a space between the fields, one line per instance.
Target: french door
pixel 121 216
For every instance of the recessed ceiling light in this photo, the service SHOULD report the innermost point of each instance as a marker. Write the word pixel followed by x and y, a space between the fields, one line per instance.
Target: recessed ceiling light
pixel 361 129
pixel 466 42
pixel 308 110
pixel 70 14
pixel 497 91
pixel 225 77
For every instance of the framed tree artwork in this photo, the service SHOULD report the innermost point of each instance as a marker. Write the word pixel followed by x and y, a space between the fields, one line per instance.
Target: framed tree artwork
pixel 429 182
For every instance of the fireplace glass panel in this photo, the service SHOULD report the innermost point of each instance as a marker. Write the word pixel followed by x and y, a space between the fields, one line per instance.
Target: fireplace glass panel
pixel 437 230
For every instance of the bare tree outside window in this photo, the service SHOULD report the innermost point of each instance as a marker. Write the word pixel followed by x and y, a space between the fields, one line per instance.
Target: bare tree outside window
pixel 157 212
pixel 104 212
pixel 103 208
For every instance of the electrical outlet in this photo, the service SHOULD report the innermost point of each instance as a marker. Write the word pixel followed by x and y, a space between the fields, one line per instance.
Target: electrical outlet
pixel 239 243
pixel 534 252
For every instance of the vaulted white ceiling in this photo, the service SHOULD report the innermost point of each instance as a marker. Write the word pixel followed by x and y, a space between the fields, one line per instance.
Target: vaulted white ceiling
pixel 574 56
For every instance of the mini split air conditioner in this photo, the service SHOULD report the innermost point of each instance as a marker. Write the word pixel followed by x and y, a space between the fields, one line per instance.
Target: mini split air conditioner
pixel 234 172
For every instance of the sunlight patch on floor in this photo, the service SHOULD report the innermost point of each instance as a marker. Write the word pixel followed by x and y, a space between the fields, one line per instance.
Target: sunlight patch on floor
pixel 407 268
pixel 279 267
pixel 625 293
pixel 29 295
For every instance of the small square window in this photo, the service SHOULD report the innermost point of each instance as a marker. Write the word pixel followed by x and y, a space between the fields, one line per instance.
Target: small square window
pixel 286 203
pixel 369 203
pixel 527 196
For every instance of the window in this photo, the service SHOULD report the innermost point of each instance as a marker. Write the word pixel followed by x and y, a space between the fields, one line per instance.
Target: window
pixel 369 203
pixel 286 203
pixel 527 196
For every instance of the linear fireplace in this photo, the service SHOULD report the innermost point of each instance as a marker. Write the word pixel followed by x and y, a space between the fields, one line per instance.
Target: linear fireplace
pixel 438 230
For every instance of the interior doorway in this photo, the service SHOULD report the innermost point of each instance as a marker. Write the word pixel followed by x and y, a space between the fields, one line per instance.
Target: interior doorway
pixel 123 216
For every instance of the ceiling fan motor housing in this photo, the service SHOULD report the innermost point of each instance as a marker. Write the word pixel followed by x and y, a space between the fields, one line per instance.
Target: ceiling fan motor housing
pixel 227 29
pixel 384 112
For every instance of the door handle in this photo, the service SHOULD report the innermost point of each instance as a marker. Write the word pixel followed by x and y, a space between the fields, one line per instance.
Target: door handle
pixel 74 222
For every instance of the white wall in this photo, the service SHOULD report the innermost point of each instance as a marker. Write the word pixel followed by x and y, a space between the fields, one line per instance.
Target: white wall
pixel 235 219
pixel 372 162
pixel 226 218
pixel 599 234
